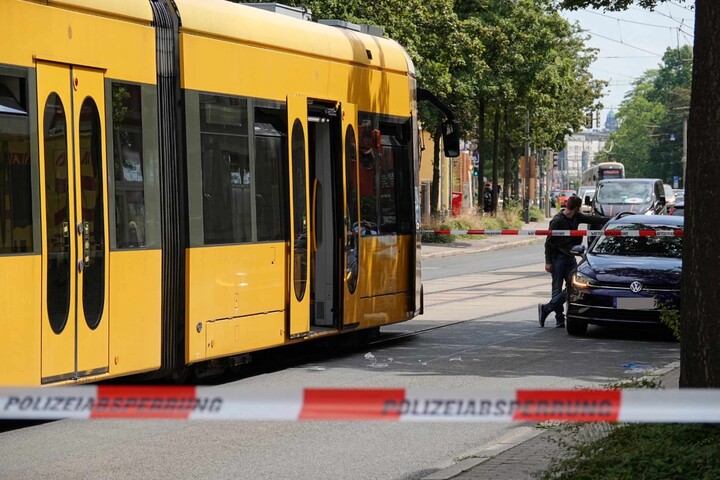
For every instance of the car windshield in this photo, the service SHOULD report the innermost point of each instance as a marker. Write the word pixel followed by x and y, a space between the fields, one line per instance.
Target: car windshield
pixel 669 247
pixel 624 192
pixel 586 192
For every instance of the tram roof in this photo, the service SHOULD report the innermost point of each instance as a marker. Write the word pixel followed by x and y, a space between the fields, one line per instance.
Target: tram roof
pixel 243 23
pixel 133 9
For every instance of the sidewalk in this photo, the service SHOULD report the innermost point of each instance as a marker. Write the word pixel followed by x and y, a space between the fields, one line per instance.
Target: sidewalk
pixel 484 243
pixel 526 450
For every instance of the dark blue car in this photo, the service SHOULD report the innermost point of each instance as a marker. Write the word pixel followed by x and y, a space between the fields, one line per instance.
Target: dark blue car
pixel 627 280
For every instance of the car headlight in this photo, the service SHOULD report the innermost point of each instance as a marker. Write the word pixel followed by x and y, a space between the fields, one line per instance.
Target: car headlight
pixel 582 281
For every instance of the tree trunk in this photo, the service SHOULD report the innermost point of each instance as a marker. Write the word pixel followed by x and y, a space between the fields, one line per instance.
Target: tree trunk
pixel 481 154
pixel 507 179
pixel 435 188
pixel 495 155
pixel 700 312
pixel 516 174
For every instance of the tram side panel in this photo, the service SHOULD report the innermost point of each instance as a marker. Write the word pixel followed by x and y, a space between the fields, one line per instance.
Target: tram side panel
pixel 237 293
pixel 73 40
pixel 387 218
pixel 20 262
pixel 237 198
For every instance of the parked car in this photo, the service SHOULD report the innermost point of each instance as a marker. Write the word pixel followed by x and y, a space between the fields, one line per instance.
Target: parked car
pixel 626 280
pixel 644 196
pixel 679 194
pixel 586 194
pixel 563 197
pixel 678 209
pixel 670 197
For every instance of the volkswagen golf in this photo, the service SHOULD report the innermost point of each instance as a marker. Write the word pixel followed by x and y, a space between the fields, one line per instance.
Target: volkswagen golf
pixel 627 280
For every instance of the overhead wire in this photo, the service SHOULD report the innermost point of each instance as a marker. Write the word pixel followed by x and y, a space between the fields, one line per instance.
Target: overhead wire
pixel 627 21
pixel 613 73
pixel 622 43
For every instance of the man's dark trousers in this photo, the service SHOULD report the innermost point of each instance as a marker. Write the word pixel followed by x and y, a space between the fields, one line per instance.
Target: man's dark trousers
pixel 562 267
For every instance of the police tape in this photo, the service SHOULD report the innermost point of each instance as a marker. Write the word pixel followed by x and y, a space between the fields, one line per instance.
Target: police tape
pixel 563 233
pixel 246 403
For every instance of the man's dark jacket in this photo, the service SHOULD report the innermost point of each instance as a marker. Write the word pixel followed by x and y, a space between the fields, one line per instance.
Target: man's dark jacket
pixel 563 245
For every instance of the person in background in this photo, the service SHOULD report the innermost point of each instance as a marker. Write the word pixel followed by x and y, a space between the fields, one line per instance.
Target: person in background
pixel 487 198
pixel 559 260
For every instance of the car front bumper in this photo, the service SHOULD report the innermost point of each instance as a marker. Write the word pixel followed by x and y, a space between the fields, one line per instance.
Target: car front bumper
pixel 602 306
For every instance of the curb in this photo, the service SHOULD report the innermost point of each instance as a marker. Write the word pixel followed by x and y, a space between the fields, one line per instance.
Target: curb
pixel 487 452
pixel 517 437
pixel 469 250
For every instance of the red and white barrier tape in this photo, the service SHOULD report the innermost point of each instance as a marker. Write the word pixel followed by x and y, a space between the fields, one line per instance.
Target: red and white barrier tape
pixel 563 233
pixel 244 403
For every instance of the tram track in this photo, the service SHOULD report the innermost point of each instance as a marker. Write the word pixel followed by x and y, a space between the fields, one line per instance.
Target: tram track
pixel 422 331
pixel 479 295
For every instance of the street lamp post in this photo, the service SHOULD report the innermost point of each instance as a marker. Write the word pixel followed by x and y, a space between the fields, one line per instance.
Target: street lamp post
pixel 684 155
pixel 527 168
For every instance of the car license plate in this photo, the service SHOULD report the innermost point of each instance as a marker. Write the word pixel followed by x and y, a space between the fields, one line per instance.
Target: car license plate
pixel 631 303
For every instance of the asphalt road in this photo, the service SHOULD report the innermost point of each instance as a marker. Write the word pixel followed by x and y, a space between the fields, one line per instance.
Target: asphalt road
pixel 479 331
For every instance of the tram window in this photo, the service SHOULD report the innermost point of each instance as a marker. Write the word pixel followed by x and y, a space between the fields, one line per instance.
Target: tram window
pixel 351 246
pixel 300 233
pixel 396 141
pixel 386 192
pixel 127 131
pixel 226 174
pixel 16 222
pixel 270 131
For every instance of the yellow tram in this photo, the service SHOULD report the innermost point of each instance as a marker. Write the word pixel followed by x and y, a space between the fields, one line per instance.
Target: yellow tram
pixel 191 180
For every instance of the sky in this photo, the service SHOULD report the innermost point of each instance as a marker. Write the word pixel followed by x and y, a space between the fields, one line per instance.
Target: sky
pixel 632 42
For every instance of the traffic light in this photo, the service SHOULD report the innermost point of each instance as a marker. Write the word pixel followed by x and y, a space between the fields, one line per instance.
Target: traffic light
pixel 555 160
pixel 475 171
pixel 589 119
pixel 597 118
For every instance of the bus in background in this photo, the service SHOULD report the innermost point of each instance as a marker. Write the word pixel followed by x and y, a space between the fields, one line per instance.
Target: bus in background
pixel 602 171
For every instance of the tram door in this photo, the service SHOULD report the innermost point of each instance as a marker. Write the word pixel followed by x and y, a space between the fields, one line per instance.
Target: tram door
pixel 351 239
pixel 299 295
pixel 326 211
pixel 71 115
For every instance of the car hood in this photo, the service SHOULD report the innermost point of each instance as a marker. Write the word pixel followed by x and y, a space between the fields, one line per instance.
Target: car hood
pixel 615 269
pixel 610 209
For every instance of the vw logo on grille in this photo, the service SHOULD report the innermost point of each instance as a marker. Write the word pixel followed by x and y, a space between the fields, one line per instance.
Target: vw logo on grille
pixel 636 287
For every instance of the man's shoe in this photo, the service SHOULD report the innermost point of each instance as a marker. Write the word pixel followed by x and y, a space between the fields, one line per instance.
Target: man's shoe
pixel 560 324
pixel 542 314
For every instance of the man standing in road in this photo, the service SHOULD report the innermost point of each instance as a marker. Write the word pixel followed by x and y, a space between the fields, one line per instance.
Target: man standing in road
pixel 559 260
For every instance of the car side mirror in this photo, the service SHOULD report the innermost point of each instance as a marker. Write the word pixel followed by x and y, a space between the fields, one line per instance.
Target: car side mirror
pixel 451 138
pixel 578 250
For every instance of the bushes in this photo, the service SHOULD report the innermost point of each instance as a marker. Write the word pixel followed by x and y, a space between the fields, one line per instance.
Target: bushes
pixel 506 219
pixel 635 451
pixel 645 451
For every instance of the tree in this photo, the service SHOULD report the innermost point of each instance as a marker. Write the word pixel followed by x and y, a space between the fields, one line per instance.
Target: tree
pixel 633 143
pixel 649 139
pixel 534 61
pixel 700 355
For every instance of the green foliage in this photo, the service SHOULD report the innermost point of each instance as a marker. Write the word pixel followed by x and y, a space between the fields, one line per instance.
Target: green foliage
pixel 611 5
pixel 670 317
pixel 438 238
pixel 510 219
pixel 644 451
pixel 649 140
pixel 536 215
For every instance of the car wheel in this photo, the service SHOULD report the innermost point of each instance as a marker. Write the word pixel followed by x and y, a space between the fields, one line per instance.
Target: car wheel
pixel 576 327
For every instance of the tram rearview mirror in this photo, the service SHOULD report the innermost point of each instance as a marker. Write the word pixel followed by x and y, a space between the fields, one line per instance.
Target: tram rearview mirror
pixel 451 138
